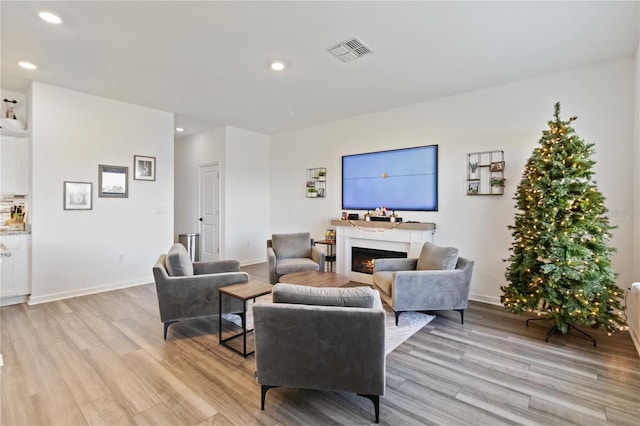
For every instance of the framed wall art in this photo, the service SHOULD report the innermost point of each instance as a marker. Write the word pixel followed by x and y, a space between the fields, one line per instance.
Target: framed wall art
pixel 78 195
pixel 144 167
pixel 113 181
pixel 497 166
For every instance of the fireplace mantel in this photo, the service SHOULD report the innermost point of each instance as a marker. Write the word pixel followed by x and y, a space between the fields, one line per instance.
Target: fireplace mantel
pixel 395 236
pixel 422 226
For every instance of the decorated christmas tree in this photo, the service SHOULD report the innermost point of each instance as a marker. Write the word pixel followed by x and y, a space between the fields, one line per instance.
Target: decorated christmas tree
pixel 560 267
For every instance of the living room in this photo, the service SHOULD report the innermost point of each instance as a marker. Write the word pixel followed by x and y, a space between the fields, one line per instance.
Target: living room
pixel 74 129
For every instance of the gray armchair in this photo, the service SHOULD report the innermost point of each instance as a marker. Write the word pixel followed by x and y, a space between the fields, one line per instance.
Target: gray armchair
pixel 190 290
pixel 437 280
pixel 289 253
pixel 322 339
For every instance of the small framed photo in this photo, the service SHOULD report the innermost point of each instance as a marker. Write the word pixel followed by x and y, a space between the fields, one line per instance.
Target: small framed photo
pixel 78 195
pixel 113 181
pixel 144 167
pixel 497 166
pixel 473 187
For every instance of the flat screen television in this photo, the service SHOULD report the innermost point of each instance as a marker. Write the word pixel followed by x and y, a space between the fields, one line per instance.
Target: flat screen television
pixel 398 179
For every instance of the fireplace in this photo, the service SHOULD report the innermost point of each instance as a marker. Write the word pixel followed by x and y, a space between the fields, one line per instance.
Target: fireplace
pixel 399 237
pixel 363 259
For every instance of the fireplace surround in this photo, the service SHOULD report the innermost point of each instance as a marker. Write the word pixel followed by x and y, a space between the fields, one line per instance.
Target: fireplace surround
pixel 398 237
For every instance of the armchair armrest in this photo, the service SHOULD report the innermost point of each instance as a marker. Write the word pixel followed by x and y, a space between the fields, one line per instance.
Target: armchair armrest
pixel 216 267
pixel 318 257
pixel 423 290
pixel 271 264
pixel 196 295
pixel 395 264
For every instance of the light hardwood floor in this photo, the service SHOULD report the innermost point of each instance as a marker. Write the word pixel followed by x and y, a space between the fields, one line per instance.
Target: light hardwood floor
pixel 101 359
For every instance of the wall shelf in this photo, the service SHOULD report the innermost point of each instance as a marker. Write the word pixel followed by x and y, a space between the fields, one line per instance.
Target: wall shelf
pixel 317 182
pixel 484 169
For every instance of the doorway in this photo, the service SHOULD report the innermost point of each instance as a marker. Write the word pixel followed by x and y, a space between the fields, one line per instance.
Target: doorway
pixel 209 209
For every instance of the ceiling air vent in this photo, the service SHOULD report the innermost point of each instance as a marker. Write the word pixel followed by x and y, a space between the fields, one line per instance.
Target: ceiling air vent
pixel 349 50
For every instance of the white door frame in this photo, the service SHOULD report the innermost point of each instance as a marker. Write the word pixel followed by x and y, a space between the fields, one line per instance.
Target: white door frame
pixel 218 225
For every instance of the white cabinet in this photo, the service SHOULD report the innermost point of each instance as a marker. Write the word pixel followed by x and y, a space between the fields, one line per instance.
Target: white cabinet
pixel 15 270
pixel 14 157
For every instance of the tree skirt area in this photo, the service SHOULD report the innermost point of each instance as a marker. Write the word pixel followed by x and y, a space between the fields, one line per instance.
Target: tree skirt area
pixel 409 323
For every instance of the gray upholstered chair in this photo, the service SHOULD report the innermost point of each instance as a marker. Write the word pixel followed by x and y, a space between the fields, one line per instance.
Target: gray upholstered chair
pixel 323 339
pixel 437 280
pixel 289 253
pixel 190 290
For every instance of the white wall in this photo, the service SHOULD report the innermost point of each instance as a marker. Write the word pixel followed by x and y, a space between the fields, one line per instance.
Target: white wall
pixel 636 193
pixel 77 252
pixel 191 152
pixel 633 299
pixel 510 117
pixel 243 157
pixel 247 195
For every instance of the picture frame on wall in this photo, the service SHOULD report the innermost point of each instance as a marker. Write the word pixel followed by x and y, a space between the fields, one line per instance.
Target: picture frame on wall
pixel 77 195
pixel 473 187
pixel 497 166
pixel 113 181
pixel 144 167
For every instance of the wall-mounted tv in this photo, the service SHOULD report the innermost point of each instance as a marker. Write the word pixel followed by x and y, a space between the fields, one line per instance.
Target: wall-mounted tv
pixel 399 179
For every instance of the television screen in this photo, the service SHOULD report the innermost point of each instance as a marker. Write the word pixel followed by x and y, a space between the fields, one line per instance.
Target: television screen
pixel 400 179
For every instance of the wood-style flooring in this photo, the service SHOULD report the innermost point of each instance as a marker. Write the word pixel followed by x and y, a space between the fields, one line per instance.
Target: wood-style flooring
pixel 101 360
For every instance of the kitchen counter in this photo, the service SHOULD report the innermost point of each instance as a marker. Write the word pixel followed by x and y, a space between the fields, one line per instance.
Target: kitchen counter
pixel 4 252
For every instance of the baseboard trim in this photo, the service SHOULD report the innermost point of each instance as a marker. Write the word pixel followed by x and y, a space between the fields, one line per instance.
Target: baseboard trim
pixel 491 300
pixel 13 300
pixel 252 262
pixel 85 291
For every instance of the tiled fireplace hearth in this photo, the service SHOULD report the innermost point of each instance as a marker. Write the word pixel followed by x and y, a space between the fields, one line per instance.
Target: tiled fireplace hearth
pixel 398 237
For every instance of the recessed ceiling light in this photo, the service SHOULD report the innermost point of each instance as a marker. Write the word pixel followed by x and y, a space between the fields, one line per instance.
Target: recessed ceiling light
pixel 179 129
pixel 50 18
pixel 27 65
pixel 277 66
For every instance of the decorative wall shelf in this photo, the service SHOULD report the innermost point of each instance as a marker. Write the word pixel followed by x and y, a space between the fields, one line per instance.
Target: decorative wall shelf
pixel 317 182
pixel 485 173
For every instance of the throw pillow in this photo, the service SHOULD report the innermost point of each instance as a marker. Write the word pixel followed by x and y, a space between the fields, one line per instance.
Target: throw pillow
pixel 178 261
pixel 433 257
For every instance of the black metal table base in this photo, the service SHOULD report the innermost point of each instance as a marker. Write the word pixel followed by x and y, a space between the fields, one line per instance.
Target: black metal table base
pixel 243 333
pixel 555 330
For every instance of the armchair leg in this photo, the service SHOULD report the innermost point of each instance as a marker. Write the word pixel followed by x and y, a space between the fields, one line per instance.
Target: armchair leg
pixel 166 327
pixel 461 315
pixel 264 389
pixel 376 404
pixel 397 314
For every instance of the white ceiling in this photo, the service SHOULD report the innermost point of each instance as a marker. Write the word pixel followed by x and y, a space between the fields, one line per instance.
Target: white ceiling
pixel 208 62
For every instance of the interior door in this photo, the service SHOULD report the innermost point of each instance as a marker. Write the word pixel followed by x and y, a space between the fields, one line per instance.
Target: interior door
pixel 209 202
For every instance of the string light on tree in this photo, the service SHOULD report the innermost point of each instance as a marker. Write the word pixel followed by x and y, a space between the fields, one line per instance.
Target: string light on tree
pixel 560 266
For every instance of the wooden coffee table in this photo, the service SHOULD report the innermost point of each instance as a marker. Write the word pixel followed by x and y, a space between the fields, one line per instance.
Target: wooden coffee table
pixel 316 279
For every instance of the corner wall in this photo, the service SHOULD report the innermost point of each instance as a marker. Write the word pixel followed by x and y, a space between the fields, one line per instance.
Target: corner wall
pixel 115 244
pixel 510 117
pixel 243 157
pixel 633 299
pixel 191 152
pixel 247 195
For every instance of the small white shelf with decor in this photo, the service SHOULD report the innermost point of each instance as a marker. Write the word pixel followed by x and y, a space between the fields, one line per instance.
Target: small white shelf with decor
pixel 317 182
pixel 485 173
